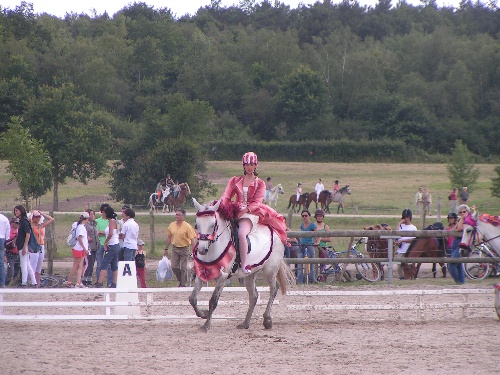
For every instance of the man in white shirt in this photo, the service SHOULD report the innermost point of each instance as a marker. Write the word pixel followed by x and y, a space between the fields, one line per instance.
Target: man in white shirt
pixel 4 235
pixel 404 242
pixel 319 188
pixel 129 234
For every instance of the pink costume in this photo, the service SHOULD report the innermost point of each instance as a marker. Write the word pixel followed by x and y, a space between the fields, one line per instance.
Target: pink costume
pixel 254 204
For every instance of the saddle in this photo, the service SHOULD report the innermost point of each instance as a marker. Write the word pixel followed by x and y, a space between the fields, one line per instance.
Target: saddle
pixel 493 220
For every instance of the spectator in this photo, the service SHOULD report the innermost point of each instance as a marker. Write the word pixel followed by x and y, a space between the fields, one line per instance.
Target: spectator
pixel 80 250
pixel 427 200
pixel 111 249
pixel 453 198
pixel 23 237
pixel 180 234
pixel 306 248
pixel 464 196
pixel 319 215
pixel 404 242
pixel 102 223
pixel 129 234
pixel 140 263
pixel 36 259
pixel 94 244
pixel 419 200
pixel 452 223
pixel 318 189
pixel 457 269
pixel 4 235
pixel 11 252
pixel 269 186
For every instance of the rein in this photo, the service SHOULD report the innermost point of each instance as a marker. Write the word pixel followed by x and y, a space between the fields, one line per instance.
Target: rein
pixel 213 236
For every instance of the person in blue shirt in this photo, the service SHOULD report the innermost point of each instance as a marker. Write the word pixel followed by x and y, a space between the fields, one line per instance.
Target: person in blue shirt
pixel 306 249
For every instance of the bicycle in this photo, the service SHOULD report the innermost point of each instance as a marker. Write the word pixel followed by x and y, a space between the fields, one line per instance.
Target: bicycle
pixel 51 281
pixel 336 269
pixel 481 270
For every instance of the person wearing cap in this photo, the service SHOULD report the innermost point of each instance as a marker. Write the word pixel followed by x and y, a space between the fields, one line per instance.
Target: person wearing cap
pixel 249 192
pixel 4 235
pixel 11 252
pixel 129 234
pixel 335 187
pixel 319 216
pixel 80 251
pixel 140 263
pixel 36 259
pixel 404 242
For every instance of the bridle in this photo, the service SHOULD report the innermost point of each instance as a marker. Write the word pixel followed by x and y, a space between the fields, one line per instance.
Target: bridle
pixel 211 237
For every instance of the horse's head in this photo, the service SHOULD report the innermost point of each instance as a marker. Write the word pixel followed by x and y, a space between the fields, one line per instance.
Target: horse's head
pixel 345 190
pixel 377 247
pixel 206 224
pixel 280 189
pixel 185 187
pixel 470 231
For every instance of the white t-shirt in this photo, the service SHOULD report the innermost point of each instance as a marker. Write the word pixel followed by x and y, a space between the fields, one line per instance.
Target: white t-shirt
pixel 405 245
pixel 319 188
pixel 130 230
pixel 81 231
pixel 114 237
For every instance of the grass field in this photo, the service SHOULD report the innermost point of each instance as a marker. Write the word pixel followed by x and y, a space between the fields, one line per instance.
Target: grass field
pixel 377 189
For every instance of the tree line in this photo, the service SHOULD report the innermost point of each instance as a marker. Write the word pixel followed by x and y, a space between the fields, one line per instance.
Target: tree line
pixel 149 90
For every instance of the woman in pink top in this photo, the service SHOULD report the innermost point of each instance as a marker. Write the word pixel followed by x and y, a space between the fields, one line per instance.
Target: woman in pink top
pixel 249 192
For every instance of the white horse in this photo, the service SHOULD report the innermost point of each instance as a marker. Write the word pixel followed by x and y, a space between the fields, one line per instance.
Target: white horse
pixel 215 256
pixel 481 229
pixel 153 201
pixel 273 195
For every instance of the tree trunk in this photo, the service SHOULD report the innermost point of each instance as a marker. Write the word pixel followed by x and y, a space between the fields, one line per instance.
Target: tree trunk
pixel 50 245
pixel 55 202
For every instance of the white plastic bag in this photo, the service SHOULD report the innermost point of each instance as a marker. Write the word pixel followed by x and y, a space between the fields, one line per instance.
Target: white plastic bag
pixel 164 271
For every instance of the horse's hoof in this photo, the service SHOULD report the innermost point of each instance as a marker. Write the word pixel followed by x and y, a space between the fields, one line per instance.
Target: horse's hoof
pixel 203 314
pixel 205 327
pixel 268 323
pixel 243 325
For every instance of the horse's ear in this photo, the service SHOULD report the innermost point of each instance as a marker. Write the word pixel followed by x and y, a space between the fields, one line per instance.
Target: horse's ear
pixel 198 206
pixel 216 207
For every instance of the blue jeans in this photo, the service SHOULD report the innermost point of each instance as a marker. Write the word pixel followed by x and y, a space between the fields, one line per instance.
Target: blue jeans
pixel 99 258
pixel 128 254
pixel 2 264
pixel 287 252
pixel 110 258
pixel 305 250
pixel 456 269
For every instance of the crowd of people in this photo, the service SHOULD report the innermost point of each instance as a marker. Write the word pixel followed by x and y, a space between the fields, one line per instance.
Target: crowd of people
pixel 102 242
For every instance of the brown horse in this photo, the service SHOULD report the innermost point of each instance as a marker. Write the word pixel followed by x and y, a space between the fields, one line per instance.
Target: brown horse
pixel 301 203
pixel 431 247
pixel 378 247
pixel 174 203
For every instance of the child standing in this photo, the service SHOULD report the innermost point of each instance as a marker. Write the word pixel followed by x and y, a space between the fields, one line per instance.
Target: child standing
pixel 140 263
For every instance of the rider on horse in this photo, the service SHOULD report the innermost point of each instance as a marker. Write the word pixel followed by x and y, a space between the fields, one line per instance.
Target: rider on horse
pixel 159 189
pixel 176 189
pixel 249 208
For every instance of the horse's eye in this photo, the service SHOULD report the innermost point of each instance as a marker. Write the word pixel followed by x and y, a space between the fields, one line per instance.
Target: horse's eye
pixel 195 226
pixel 469 230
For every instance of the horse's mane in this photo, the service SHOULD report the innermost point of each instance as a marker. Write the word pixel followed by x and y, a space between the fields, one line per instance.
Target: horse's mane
pixel 227 211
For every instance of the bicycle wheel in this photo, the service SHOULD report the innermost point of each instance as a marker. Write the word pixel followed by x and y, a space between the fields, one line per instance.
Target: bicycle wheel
pixel 368 271
pixel 477 271
pixel 348 276
pixel 50 281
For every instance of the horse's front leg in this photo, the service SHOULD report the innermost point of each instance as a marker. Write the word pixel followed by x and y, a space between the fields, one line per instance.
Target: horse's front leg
pixel 253 295
pixel 193 299
pixel 273 290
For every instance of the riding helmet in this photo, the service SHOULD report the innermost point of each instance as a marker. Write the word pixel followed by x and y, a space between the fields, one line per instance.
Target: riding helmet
pixel 250 158
pixel 407 212
pixel 452 215
pixel 319 211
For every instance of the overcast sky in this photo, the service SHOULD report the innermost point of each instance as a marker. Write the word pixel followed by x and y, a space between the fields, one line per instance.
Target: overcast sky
pixel 179 7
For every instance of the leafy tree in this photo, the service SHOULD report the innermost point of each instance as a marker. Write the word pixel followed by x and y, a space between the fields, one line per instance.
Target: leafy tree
pixel 29 162
pixel 461 169
pixel 72 132
pixel 495 188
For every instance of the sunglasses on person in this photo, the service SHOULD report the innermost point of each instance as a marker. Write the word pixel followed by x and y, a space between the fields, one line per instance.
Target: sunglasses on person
pixel 463 212
pixel 305 215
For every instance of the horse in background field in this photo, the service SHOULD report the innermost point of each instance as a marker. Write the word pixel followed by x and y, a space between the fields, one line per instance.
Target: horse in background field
pixel 175 203
pixel 273 195
pixel 154 202
pixel 301 203
pixel 432 247
pixel 215 259
pixel 325 199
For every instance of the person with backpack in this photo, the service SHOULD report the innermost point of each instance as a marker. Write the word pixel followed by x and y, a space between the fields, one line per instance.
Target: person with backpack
pixel 80 250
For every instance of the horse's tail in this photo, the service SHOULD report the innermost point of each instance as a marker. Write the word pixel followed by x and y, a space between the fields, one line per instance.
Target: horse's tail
pixel 289 203
pixel 285 277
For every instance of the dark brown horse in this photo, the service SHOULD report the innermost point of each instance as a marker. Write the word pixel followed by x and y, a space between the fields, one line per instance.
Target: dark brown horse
pixel 431 247
pixel 301 203
pixel 174 203
pixel 378 247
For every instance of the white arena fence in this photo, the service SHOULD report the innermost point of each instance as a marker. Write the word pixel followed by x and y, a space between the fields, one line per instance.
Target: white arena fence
pixel 172 303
